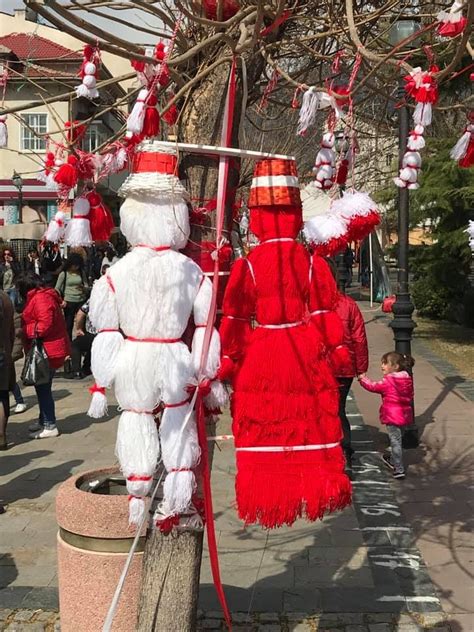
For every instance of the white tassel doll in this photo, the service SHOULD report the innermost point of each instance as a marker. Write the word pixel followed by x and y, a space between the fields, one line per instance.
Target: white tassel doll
pixel 3 131
pixel 324 166
pixel 149 295
pixel 78 230
pixel 408 176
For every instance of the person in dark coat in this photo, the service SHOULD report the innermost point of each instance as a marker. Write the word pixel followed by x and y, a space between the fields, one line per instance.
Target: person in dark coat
pixel 355 339
pixel 9 268
pixel 7 367
pixel 42 317
pixel 17 354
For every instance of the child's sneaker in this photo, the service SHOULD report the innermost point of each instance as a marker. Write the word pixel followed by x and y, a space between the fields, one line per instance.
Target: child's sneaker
pixel 399 475
pixel 387 461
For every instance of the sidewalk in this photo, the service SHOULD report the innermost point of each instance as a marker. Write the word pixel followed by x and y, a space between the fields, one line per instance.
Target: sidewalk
pixel 372 568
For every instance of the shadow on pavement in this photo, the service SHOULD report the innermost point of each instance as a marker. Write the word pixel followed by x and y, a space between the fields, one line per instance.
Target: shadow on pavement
pixel 12 462
pixel 8 568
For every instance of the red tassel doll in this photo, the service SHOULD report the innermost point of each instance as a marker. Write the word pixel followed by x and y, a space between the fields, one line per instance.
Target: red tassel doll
pixel 285 401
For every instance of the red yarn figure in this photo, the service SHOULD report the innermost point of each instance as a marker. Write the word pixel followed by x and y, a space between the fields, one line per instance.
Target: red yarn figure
pixel 285 402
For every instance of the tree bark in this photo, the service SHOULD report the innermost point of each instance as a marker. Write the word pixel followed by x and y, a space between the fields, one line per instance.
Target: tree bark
pixel 170 587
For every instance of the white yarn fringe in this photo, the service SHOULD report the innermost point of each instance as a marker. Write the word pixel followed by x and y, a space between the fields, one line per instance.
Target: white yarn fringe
pixel 311 103
pixel 105 350
pixel 178 489
pixel 137 446
pixel 103 312
pixel 354 203
pixel 78 232
pixel 56 228
pixel 416 141
pixel 218 397
pixel 137 115
pixel 88 93
pixel 3 131
pixel 136 511
pixel 423 114
pixel 98 407
pixel 322 228
pixel 460 148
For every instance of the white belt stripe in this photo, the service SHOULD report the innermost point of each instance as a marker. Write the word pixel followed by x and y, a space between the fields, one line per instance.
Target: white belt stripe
pixel 281 325
pixel 275 181
pixel 289 448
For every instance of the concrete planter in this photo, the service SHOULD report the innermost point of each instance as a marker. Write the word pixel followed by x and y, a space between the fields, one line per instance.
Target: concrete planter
pixel 93 543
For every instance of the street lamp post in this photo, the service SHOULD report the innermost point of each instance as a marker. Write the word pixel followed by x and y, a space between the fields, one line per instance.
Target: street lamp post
pixel 402 323
pixel 18 184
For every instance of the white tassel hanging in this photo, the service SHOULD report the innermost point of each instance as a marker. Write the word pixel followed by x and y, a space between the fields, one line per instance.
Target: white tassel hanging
pixel 470 231
pixel 309 107
pixel 56 228
pixel 98 407
pixel 136 511
pixel 3 131
pixel 178 489
pixel 137 115
pixel 408 176
pixel 88 88
pixel 218 397
pixel 416 140
pixel 78 230
pixel 423 114
pixel 460 148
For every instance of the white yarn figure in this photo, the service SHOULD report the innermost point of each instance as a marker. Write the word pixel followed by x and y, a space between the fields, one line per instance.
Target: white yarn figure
pixel 150 295
pixel 470 231
pixel 325 163
pixel 408 176
pixel 78 230
pixel 3 131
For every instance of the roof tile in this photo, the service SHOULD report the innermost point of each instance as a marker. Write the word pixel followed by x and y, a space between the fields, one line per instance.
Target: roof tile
pixel 35 47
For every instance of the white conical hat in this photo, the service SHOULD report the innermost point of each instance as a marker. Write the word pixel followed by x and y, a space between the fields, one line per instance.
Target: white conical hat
pixel 154 172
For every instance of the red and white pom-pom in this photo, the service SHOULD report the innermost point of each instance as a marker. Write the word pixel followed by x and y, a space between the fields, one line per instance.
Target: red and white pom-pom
pixel 360 212
pixel 327 233
pixel 452 22
pixel 47 175
pixel 408 176
pixel 416 139
pixel 67 175
pixel 3 131
pixel 421 85
pixel 101 221
pixel 114 161
pixel 78 230
pixel 313 100
pixel 56 227
pixel 463 150
pixel 137 115
pixel 88 74
pixel 324 166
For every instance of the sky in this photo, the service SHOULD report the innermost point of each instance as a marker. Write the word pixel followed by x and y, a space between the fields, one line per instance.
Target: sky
pixel 133 17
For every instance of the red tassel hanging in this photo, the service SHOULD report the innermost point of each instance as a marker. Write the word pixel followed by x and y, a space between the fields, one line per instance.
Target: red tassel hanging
pixel 151 121
pixel 100 217
pixel 171 115
pixel 66 175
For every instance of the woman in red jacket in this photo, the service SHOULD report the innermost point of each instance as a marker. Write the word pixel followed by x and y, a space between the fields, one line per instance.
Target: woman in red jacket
pixel 43 317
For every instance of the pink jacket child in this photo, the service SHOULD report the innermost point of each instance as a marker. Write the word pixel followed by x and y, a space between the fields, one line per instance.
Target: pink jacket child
pixel 397 396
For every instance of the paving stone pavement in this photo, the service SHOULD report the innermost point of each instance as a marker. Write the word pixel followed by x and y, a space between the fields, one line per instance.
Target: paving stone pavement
pixel 356 571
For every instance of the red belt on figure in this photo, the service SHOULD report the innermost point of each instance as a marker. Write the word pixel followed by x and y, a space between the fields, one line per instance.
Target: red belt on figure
pixel 160 340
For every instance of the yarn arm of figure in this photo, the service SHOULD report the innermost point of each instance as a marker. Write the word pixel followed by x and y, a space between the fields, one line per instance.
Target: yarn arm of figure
pixel 323 302
pixel 103 314
pixel 238 310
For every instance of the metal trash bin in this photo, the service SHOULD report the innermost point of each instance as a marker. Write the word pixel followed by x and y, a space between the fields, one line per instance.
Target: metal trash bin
pixel 93 543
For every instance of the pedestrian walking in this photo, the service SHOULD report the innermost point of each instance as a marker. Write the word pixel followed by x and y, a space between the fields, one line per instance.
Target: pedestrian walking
pixel 396 410
pixel 17 354
pixel 355 340
pixel 7 367
pixel 82 345
pixel 72 285
pixel 43 318
pixel 9 268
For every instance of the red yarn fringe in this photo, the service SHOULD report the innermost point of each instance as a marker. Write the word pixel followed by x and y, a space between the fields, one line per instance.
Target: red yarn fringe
pixel 277 488
pixel 151 122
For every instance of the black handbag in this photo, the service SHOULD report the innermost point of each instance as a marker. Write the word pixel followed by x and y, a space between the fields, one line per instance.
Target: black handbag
pixel 36 370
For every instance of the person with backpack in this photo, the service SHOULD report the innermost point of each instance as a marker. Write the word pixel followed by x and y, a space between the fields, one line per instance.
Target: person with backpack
pixel 72 285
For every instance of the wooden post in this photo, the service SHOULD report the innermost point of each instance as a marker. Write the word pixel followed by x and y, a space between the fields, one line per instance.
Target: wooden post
pixel 170 587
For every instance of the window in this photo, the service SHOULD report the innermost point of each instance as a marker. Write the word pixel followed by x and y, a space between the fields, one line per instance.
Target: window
pixel 95 135
pixel 34 124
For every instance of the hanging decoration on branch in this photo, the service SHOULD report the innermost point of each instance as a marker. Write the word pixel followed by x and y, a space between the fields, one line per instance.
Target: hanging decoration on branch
pixel 47 175
pixel 228 8
pixel 313 101
pixel 75 131
pixel 452 22
pixel 66 176
pixel 470 231
pixel 56 228
pixel 88 73
pixel 100 217
pixel 325 163
pixel 463 150
pixel 408 175
pixel 3 131
pixel 78 230
pixel 421 86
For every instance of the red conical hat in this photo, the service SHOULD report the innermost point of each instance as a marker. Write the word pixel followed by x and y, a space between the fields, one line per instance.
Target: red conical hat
pixel 275 183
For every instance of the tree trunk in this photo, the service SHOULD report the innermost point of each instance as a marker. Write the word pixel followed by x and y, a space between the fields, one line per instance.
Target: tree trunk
pixel 170 585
